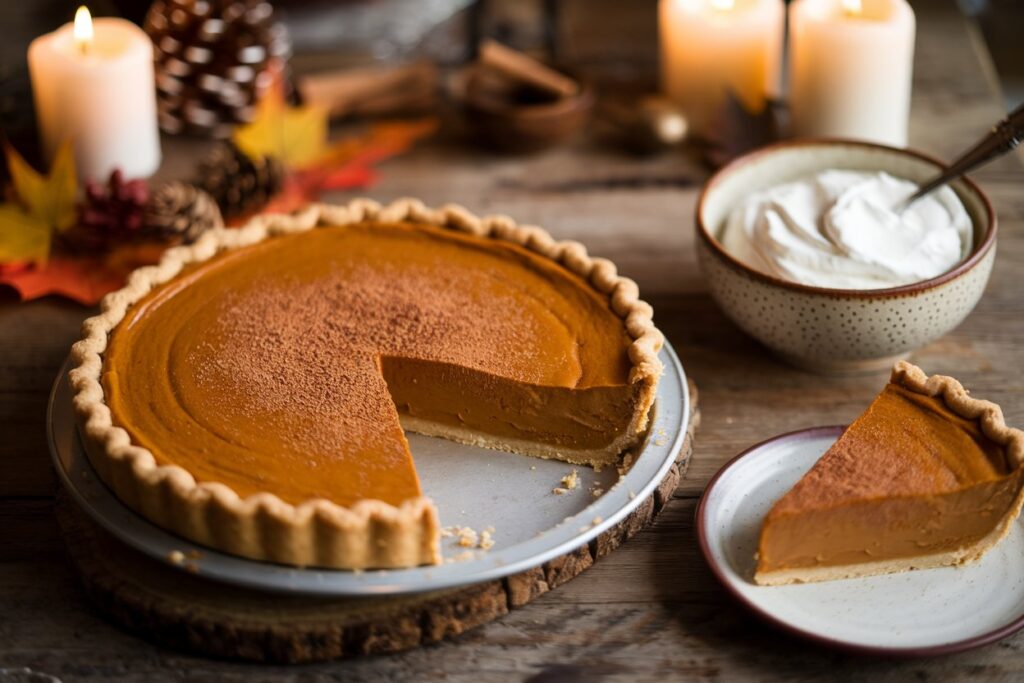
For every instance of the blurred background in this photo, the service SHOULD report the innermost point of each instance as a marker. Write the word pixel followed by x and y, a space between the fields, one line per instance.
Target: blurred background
pixel 333 36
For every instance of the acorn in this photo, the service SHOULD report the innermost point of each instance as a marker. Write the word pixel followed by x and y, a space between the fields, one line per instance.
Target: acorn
pixel 643 125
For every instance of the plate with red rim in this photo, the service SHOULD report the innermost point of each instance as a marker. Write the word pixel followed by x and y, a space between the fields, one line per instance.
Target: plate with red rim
pixel 911 614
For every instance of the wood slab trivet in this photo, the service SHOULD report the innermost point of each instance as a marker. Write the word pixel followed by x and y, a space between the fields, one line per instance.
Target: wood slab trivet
pixel 173 608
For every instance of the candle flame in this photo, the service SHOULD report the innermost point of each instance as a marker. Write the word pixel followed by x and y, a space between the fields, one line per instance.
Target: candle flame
pixel 723 5
pixel 853 6
pixel 83 28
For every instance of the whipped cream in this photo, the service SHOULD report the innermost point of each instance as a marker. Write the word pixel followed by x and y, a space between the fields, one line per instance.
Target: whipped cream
pixel 838 229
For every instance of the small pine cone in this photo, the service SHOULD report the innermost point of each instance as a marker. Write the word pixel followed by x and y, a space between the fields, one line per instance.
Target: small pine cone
pixel 237 183
pixel 180 211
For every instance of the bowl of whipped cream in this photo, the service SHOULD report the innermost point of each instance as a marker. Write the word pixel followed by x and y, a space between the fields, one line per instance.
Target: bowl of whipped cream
pixel 807 246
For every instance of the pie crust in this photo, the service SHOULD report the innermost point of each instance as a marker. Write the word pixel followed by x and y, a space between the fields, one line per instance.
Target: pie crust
pixel 369 533
pixel 989 417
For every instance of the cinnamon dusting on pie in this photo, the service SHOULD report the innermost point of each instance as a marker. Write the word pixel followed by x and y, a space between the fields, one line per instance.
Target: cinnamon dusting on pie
pixel 313 359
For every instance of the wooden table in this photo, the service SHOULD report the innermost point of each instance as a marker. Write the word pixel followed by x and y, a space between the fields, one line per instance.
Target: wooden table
pixel 652 610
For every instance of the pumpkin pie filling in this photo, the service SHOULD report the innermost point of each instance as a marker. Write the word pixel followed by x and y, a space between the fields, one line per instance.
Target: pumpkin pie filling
pixel 911 483
pixel 288 367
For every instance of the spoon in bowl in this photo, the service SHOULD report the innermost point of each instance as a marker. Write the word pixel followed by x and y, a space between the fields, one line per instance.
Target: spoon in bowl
pixel 1004 137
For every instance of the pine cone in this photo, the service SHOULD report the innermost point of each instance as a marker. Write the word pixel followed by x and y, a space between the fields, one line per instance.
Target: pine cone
pixel 237 183
pixel 180 211
pixel 111 214
pixel 213 61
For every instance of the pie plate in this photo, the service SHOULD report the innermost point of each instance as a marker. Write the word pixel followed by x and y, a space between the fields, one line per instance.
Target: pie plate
pixel 472 487
pixel 917 613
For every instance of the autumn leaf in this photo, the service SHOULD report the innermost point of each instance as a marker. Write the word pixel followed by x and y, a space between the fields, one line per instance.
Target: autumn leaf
pixel 45 205
pixel 295 135
pixel 85 279
pixel 381 141
pixel 51 198
pixel 23 237
pixel 350 177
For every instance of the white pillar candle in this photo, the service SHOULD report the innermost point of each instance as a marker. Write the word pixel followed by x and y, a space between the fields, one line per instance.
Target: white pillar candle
pixel 96 89
pixel 712 47
pixel 850 69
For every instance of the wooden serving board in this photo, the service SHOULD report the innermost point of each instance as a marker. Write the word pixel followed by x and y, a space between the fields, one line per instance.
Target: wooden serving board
pixel 167 605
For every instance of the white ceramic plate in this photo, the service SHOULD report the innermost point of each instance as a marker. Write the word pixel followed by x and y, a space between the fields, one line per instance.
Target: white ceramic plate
pixel 917 613
pixel 532 525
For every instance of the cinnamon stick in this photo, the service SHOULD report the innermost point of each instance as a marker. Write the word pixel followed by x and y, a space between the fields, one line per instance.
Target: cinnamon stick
pixel 373 90
pixel 521 67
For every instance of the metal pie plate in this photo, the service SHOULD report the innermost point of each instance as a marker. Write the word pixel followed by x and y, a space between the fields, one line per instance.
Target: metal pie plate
pixel 471 486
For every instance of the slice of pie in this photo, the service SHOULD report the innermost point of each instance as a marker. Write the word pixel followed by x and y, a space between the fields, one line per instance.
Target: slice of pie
pixel 926 477
pixel 250 391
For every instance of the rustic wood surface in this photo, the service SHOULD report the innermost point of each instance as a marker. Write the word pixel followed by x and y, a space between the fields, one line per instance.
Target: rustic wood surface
pixel 651 610
pixel 196 615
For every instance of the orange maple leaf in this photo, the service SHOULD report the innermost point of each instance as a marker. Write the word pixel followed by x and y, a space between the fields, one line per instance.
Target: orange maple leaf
pixel 85 279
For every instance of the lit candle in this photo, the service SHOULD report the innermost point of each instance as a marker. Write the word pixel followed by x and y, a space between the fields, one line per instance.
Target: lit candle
pixel 93 84
pixel 712 47
pixel 850 68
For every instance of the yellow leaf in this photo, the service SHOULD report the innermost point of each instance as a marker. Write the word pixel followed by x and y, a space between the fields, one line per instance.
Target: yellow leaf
pixel 51 198
pixel 295 135
pixel 23 237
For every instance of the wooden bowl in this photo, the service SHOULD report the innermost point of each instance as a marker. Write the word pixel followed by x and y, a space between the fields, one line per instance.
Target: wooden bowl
pixel 514 119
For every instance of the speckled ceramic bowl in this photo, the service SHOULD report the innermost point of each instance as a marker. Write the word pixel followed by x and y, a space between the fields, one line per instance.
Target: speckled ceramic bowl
pixel 837 330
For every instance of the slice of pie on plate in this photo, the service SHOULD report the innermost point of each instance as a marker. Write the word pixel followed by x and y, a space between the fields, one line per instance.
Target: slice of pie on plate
pixel 250 391
pixel 926 477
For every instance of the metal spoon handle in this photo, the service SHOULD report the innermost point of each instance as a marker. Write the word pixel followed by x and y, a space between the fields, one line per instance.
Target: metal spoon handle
pixel 1003 137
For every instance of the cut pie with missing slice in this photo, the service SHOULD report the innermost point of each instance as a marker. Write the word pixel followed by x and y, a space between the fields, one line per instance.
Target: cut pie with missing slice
pixel 926 477
pixel 250 392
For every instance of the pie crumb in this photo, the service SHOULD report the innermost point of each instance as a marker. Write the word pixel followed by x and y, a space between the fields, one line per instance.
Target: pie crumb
pixel 533 467
pixel 632 494
pixel 176 557
pixel 596 493
pixel 464 556
pixel 467 537
pixel 569 482
pixel 597 520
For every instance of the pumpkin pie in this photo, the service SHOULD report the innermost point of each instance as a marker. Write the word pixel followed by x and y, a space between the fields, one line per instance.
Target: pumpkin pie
pixel 250 392
pixel 926 477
